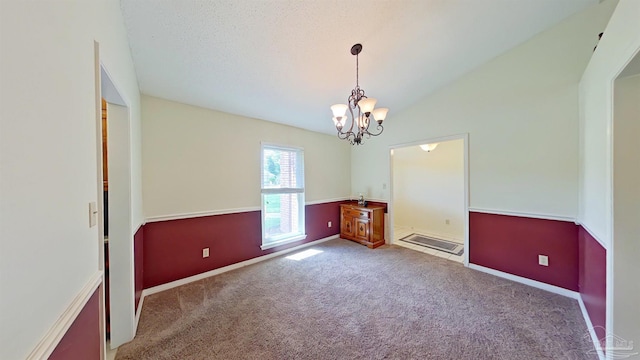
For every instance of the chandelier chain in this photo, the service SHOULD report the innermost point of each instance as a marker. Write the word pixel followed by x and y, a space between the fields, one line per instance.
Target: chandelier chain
pixel 357 72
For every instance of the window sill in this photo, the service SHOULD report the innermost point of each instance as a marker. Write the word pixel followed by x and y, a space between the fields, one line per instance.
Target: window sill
pixel 283 242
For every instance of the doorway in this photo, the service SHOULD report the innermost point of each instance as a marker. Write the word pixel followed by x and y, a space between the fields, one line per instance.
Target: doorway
pixel 428 208
pixel 117 248
pixel 105 213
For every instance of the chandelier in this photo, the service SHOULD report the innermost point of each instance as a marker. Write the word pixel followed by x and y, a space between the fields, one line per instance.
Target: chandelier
pixel 361 109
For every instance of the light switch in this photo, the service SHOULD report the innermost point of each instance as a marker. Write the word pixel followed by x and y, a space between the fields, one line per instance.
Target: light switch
pixel 93 214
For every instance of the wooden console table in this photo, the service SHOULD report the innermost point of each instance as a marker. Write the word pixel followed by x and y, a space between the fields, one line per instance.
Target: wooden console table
pixel 364 225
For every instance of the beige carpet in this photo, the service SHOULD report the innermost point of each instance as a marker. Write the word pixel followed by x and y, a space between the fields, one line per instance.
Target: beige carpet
pixel 350 302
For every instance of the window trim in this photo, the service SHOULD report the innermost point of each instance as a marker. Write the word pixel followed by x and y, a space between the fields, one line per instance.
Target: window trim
pixel 297 190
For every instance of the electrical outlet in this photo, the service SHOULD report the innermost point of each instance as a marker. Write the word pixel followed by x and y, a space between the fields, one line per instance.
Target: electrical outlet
pixel 543 260
pixel 446 221
pixel 384 186
pixel 205 252
pixel 329 224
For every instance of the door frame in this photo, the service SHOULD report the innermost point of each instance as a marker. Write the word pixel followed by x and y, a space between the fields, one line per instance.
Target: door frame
pixel 123 256
pixel 616 258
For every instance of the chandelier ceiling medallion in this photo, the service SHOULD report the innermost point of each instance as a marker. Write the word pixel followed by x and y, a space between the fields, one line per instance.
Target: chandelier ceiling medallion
pixel 361 109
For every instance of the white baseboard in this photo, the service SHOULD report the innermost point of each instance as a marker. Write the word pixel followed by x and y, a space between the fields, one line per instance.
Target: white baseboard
pixel 592 332
pixel 553 289
pixel 135 330
pixel 51 339
pixel 533 283
pixel 190 279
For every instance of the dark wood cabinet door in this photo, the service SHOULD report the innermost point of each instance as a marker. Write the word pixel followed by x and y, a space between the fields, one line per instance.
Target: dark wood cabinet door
pixel 346 227
pixel 362 230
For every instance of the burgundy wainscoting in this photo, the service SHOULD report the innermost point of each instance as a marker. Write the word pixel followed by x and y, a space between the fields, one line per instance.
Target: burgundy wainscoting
pixel 593 280
pixel 138 263
pixel 316 218
pixel 82 340
pixel 173 248
pixel 512 244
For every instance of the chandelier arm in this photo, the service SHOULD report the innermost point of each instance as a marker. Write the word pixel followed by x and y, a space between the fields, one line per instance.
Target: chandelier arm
pixel 367 122
pixel 379 127
pixel 343 135
pixel 353 119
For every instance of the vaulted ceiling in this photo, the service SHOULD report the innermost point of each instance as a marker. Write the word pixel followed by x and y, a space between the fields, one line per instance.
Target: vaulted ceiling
pixel 288 61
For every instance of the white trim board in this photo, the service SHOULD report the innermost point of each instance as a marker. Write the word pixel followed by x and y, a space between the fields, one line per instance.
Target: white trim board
pixel 196 214
pixel 522 214
pixel 201 214
pixel 190 279
pixel 137 228
pixel 51 339
pixel 533 283
pixel 592 332
pixel 586 228
pixel 430 140
pixel 316 202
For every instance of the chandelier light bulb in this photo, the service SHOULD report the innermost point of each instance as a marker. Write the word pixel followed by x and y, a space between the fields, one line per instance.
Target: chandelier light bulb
pixel 362 122
pixel 339 122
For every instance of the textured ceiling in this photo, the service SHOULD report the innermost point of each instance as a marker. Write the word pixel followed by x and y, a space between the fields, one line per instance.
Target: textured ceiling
pixel 288 61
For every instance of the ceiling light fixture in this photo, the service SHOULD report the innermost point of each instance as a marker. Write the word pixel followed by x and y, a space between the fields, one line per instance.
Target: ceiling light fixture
pixel 428 147
pixel 364 107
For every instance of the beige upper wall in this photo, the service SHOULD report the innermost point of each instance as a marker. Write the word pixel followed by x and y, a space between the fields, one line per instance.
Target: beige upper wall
pixel 200 160
pixel 49 165
pixel 521 113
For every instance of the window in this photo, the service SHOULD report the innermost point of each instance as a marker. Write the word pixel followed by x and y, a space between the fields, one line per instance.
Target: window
pixel 282 195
